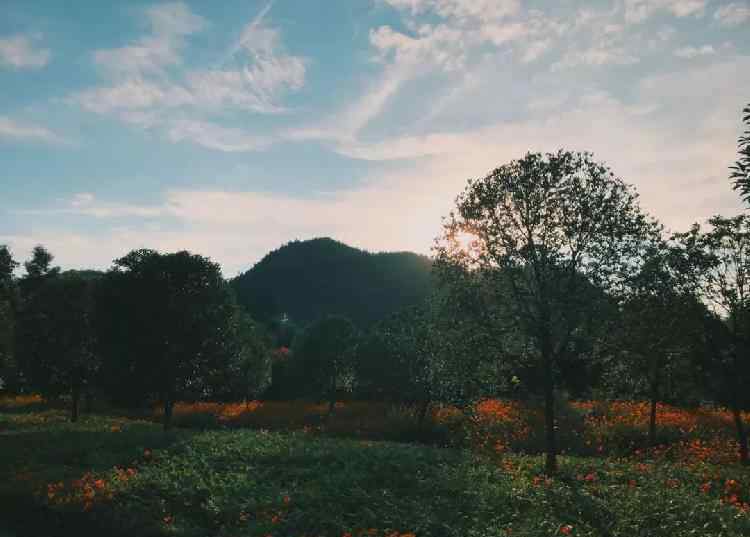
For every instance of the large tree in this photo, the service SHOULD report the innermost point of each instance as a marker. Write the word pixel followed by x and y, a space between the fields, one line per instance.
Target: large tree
pixel 55 329
pixel 741 169
pixel 166 322
pixel 550 228
pixel 721 256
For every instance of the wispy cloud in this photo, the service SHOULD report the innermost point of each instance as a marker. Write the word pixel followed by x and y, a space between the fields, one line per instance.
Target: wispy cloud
pixel 20 52
pixel 637 11
pixel 26 132
pixel 149 86
pixel 734 14
pixel 695 52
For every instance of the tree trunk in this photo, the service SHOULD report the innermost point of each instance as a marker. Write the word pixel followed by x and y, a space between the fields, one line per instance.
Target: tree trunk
pixel 76 396
pixel 332 396
pixel 168 404
pixel 652 423
pixel 89 400
pixel 550 464
pixel 652 414
pixel 741 434
pixel 423 408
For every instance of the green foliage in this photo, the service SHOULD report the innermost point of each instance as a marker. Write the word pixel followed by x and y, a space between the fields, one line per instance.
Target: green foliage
pixel 308 280
pixel 741 169
pixel 555 230
pixel 56 335
pixel 323 358
pixel 254 483
pixel 8 309
pixel 169 327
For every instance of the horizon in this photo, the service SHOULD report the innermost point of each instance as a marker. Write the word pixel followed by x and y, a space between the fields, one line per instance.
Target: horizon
pixel 232 131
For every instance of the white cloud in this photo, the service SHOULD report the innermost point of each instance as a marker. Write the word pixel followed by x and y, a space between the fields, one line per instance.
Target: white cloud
pixel 24 132
pixel 149 88
pixel 695 52
pixel 461 9
pixel 637 11
pixel 169 23
pixel 535 50
pixel 19 52
pixel 173 18
pixel 214 136
pixel 733 14
pixel 596 56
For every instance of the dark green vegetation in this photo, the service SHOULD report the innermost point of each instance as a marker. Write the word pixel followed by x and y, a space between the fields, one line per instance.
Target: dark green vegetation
pixel 307 280
pixel 223 483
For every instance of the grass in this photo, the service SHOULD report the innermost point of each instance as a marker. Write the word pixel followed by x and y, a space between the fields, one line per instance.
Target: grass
pixel 111 475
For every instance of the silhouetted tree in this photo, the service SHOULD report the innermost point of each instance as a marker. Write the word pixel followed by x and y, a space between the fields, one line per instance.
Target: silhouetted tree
pixel 8 307
pixel 323 357
pixel 397 362
pixel 56 337
pixel 741 169
pixel 40 263
pixel 166 324
pixel 657 318
pixel 548 225
pixel 722 258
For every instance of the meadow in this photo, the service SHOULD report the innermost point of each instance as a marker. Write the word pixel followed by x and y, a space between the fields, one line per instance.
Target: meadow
pixel 286 469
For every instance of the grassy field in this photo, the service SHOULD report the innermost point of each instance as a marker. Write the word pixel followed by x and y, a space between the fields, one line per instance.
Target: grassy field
pixel 114 475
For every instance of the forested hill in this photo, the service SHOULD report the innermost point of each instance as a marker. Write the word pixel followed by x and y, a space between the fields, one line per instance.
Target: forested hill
pixel 309 279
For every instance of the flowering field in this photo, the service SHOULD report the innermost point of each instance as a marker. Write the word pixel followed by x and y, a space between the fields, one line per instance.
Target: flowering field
pixel 588 428
pixel 114 475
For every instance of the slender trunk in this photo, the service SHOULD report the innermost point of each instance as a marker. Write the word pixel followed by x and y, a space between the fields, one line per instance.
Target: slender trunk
pixel 332 395
pixel 423 408
pixel 652 415
pixel 168 404
pixel 89 400
pixel 741 434
pixel 169 401
pixel 76 396
pixel 652 423
pixel 550 464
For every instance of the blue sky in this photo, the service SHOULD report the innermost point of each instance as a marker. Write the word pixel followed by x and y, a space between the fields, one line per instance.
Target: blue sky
pixel 228 128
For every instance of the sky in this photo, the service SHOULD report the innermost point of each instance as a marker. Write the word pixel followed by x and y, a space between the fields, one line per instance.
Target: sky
pixel 230 128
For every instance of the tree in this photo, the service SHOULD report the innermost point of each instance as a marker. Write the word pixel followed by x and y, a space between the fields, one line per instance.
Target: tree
pixel 8 308
pixel 249 371
pixel 548 227
pixel 40 263
pixel 396 361
pixel 166 325
pixel 655 322
pixel 56 331
pixel 721 256
pixel 323 357
pixel 741 168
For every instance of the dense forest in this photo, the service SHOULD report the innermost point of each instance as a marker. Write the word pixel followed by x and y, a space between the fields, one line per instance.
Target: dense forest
pixel 547 281
pixel 306 280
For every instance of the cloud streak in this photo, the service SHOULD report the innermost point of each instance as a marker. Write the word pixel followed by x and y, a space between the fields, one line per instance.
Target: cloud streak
pixel 11 130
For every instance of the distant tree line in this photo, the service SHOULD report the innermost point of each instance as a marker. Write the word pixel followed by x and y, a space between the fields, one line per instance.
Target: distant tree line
pixel 547 279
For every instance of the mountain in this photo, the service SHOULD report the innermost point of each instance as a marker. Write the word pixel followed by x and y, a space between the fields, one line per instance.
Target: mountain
pixel 306 280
